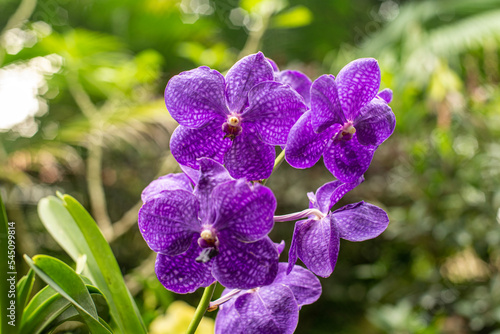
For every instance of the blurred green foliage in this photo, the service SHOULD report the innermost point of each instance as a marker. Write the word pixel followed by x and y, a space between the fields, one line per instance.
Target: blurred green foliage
pixel 100 131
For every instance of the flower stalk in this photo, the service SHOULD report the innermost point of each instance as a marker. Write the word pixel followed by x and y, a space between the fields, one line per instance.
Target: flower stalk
pixel 215 304
pixel 202 308
pixel 299 215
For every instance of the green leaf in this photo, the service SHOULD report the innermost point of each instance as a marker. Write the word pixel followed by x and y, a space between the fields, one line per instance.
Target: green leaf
pixel 5 294
pixel 66 282
pixel 47 307
pixel 24 287
pixel 297 16
pixel 77 233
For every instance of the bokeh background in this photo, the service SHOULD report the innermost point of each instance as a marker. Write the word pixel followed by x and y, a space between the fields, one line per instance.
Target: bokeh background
pixel 82 112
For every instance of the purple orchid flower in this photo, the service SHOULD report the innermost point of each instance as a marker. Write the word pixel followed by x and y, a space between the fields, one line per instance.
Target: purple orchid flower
pixel 346 123
pixel 236 120
pixel 295 79
pixel 216 231
pixel 269 309
pixel 316 240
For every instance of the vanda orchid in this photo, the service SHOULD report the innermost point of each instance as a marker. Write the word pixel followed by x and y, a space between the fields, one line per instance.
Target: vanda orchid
pixel 211 223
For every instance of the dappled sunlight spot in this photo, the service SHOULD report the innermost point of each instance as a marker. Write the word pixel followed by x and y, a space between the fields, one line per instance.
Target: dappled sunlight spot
pixel 21 87
pixel 465 266
pixel 193 9
pixel 177 319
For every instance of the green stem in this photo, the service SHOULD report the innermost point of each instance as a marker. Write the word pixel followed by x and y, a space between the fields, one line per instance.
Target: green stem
pixel 201 309
pixel 277 163
pixel 279 160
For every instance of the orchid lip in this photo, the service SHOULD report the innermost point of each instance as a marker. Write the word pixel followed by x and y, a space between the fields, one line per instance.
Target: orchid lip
pixel 232 126
pixel 346 132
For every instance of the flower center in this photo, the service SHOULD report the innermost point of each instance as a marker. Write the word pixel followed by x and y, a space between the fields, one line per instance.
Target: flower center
pixel 209 242
pixel 346 133
pixel 232 127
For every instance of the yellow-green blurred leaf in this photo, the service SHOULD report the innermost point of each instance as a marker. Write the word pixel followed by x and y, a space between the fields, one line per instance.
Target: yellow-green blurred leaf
pixel 297 16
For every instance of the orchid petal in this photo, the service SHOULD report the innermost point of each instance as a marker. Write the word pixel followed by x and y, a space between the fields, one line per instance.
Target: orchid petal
pixel 241 265
pixel 274 108
pixel 228 319
pixel 271 309
pixel 386 95
pixel 304 146
pixel 187 145
pixel 212 174
pixel 292 252
pixel 298 81
pixel 348 160
pixel 249 157
pixel 244 210
pixel 181 273
pixel 357 83
pixel 317 245
pixel 193 98
pixel 166 182
pixel 192 174
pixel 325 104
pixel 273 64
pixel 375 123
pixel 330 193
pixel 169 220
pixel 241 78
pixel 360 221
pixel 305 286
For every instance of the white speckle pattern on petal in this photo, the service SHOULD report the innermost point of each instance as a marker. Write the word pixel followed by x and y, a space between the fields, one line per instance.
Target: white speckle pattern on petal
pixel 193 98
pixel 357 83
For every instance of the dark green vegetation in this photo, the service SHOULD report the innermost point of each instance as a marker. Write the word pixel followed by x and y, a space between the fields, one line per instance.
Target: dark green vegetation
pixel 102 67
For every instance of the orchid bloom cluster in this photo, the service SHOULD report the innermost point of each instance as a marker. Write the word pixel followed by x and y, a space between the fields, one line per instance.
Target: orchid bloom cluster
pixel 211 222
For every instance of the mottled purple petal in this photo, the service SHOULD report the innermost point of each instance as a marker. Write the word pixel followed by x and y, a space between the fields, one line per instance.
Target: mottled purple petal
pixel 273 64
pixel 241 265
pixel 228 319
pixel 292 252
pixel 271 310
pixel 298 81
pixel 195 97
pixel 360 221
pixel 244 210
pixel 357 83
pixel 348 160
pixel 249 157
pixel 386 95
pixel 304 146
pixel 274 108
pixel 192 174
pixel 181 273
pixel 375 123
pixel 169 220
pixel 325 104
pixel 187 145
pixel 245 74
pixel 280 247
pixel 305 286
pixel 212 174
pixel 166 182
pixel 317 244
pixel 330 193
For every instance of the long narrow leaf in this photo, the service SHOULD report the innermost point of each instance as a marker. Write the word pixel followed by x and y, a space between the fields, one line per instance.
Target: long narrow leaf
pixel 24 287
pixel 47 308
pixel 7 271
pixel 66 282
pixel 77 233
